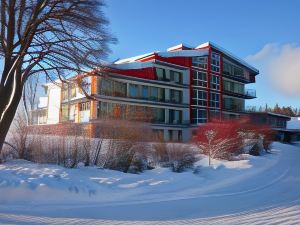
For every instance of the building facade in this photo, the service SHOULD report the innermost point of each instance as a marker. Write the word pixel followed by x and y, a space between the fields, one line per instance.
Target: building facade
pixel 179 89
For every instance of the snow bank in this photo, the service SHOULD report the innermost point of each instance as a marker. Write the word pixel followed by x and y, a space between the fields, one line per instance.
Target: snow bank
pixel 24 181
pixel 224 192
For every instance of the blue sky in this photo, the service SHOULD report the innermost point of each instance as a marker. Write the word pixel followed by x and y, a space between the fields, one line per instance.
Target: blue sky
pixel 265 33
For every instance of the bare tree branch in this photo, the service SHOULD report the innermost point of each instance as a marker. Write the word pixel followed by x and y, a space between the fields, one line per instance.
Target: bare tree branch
pixel 57 38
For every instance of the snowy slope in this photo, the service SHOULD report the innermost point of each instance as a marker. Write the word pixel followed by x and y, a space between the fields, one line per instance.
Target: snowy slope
pixel 252 190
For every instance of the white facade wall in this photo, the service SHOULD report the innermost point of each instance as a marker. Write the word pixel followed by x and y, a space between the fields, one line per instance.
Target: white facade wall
pixel 54 96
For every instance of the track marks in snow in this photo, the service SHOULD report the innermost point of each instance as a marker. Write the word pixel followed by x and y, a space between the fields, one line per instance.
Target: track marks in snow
pixel 280 215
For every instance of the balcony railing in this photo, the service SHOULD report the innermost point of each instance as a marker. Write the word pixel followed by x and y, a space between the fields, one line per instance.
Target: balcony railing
pixel 173 122
pixel 247 94
pixel 240 78
pixel 250 93
pixel 234 108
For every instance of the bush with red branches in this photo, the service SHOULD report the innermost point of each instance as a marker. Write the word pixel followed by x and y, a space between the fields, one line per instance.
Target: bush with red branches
pixel 223 138
pixel 218 139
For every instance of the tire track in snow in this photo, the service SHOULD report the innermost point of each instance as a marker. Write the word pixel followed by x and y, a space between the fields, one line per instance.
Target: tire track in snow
pixel 279 215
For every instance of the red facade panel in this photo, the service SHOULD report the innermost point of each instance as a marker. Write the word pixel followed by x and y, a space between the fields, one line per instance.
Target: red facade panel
pixel 145 73
pixel 181 61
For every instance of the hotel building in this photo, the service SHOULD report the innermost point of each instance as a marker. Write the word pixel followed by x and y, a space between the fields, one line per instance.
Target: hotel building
pixel 180 88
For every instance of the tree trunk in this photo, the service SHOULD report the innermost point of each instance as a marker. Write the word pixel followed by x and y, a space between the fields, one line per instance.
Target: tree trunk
pixel 10 95
pixel 6 122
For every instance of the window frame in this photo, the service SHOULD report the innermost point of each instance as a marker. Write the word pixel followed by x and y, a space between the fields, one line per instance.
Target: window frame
pixel 214 102
pixel 198 81
pixel 199 118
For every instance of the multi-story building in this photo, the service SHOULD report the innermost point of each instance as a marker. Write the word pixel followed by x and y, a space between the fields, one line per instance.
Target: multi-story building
pixel 181 89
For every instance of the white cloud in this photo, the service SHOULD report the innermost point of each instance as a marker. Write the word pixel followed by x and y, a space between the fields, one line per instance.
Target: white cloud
pixel 281 64
pixel 267 51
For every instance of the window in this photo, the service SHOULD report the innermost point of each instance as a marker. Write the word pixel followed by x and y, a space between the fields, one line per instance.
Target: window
pixel 111 110
pixel 85 85
pixel 112 88
pixel 175 135
pixel 159 134
pixel 119 89
pixel 227 85
pixel 160 73
pixel 65 112
pixel 145 92
pixel 85 106
pixel 171 75
pixel 199 116
pixel 73 90
pixel 72 112
pixel 238 88
pixel 158 115
pixel 199 97
pixel 199 78
pixel 157 94
pixel 175 116
pixel 200 62
pixel 161 94
pixel 227 68
pixel 105 87
pixel 153 93
pixel 176 77
pixel 215 82
pixel 133 90
pixel 232 70
pixel 176 96
pixel 233 87
pixel 238 71
pixel 233 104
pixel 65 93
pixel 102 106
pixel 215 62
pixel 214 100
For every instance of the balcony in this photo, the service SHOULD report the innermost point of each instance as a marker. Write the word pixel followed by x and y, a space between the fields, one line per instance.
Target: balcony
pixel 248 93
pixel 240 78
pixel 170 123
pixel 234 108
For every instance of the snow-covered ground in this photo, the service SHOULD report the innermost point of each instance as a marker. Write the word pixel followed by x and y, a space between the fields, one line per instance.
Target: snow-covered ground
pixel 252 191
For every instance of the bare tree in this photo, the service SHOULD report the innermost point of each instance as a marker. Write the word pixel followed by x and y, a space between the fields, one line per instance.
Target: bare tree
pixel 20 134
pixel 55 37
pixel 30 97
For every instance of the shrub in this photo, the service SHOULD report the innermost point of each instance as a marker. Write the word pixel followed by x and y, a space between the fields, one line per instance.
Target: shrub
pixel 224 138
pixel 219 139
pixel 161 152
pixel 255 150
pixel 127 151
pixel 181 157
pixel 178 157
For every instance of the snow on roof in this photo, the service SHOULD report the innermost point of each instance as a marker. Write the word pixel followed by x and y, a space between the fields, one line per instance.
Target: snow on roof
pixel 186 53
pixel 131 65
pixel 270 113
pixel 182 53
pixel 182 45
pixel 189 53
pixel 294 123
pixel 133 59
pixel 229 54
pixel 277 114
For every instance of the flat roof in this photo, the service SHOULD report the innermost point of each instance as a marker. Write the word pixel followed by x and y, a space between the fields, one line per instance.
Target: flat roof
pixel 229 54
pixel 270 113
pixel 189 53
